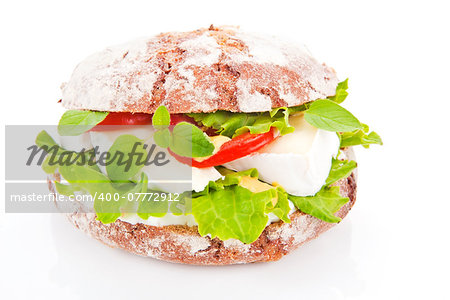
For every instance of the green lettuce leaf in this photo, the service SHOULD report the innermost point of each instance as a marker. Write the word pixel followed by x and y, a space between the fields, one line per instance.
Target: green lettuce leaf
pixel 340 169
pixel 231 212
pixel 323 205
pixel 234 124
pixel 281 208
pixel 227 210
pixel 75 122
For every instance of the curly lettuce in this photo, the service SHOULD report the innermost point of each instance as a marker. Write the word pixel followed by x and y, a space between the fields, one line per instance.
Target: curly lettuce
pixel 226 209
pixel 233 124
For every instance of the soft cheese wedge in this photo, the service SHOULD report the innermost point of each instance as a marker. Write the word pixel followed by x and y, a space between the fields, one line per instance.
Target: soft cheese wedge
pixel 299 162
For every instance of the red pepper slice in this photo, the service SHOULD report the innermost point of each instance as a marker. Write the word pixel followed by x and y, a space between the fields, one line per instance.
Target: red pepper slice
pixel 238 147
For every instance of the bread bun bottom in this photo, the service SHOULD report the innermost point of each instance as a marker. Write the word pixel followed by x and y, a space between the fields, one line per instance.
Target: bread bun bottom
pixel 183 244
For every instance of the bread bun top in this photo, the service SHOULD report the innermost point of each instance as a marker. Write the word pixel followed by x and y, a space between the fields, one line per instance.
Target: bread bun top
pixel 219 68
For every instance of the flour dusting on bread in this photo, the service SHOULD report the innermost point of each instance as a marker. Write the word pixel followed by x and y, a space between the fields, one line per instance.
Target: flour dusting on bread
pixel 199 71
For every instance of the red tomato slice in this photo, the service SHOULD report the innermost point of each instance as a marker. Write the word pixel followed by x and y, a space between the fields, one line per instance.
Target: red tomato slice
pixel 127 118
pixel 177 118
pixel 238 147
pixel 123 118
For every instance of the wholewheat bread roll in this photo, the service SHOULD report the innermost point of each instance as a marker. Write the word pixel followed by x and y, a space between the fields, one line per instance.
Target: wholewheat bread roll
pixel 219 68
pixel 199 71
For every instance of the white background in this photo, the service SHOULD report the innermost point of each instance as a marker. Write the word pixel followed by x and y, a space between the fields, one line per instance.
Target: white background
pixel 395 242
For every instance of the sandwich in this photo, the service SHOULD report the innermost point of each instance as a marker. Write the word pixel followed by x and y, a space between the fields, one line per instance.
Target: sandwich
pixel 208 147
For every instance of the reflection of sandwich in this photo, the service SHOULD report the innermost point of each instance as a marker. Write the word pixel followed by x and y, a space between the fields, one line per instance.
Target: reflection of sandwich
pixel 256 121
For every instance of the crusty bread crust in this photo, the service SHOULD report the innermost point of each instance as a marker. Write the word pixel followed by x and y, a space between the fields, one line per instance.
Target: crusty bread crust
pixel 220 68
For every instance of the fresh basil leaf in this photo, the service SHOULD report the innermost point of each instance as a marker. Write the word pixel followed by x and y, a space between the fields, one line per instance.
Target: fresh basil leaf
pixel 161 118
pixel 341 92
pixel 188 140
pixel 44 139
pixel 328 115
pixel 48 144
pixel 130 191
pixel 161 121
pixel 66 189
pixel 322 205
pixel 100 187
pixel 185 140
pixel 184 204
pixel 75 122
pixel 360 137
pixel 127 157
pixel 340 169
pixel 162 138
pixel 47 167
pixel 373 138
pixel 150 205
pixel 57 155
